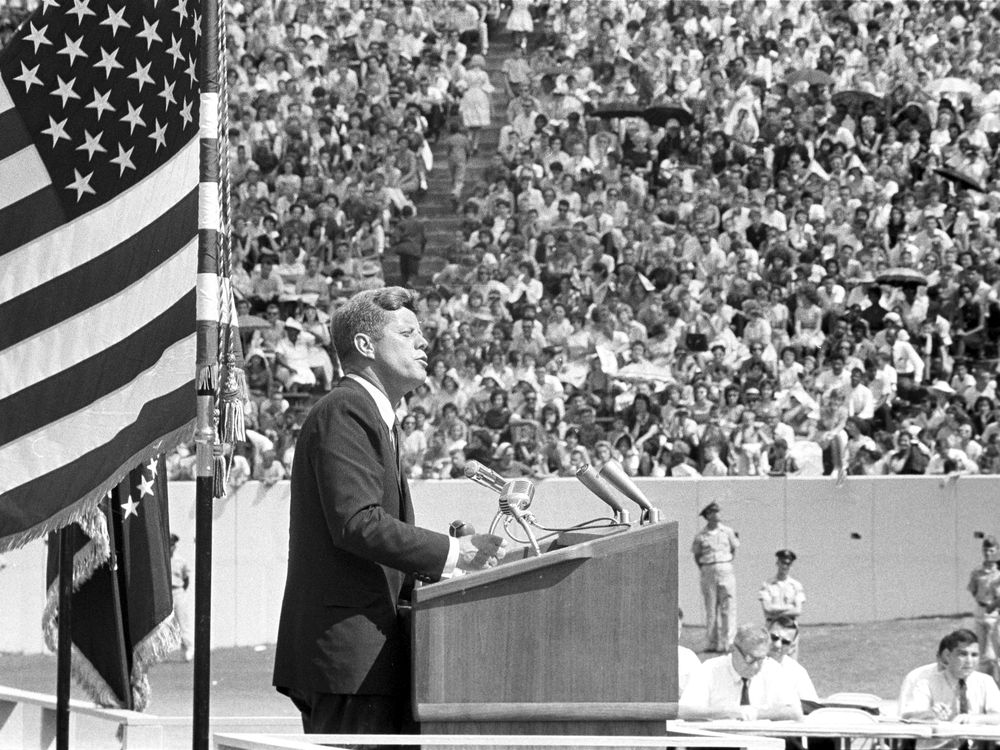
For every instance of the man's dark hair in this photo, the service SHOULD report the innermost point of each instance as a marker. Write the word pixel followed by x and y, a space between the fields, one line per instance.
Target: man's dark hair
pixel 365 313
pixel 956 639
pixel 786 622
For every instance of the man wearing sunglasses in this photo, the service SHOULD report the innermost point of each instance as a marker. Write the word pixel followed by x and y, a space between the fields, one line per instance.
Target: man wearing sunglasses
pixel 744 684
pixel 784 634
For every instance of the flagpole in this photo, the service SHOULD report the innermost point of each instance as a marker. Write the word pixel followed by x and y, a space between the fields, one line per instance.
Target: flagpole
pixel 207 365
pixel 64 656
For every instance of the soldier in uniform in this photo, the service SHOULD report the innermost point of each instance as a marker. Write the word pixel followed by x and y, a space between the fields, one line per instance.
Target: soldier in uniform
pixel 984 585
pixel 713 549
pixel 782 596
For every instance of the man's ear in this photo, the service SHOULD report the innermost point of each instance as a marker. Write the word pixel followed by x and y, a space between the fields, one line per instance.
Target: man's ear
pixel 364 345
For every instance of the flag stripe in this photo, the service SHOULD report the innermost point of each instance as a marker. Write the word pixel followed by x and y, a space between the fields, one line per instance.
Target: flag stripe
pixel 76 387
pixel 32 503
pixel 72 293
pixel 99 327
pixel 25 221
pixel 46 449
pixel 92 234
pixel 15 135
pixel 31 175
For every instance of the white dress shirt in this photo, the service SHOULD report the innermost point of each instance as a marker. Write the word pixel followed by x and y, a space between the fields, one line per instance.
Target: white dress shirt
pixel 799 677
pixel 717 685
pixel 929 685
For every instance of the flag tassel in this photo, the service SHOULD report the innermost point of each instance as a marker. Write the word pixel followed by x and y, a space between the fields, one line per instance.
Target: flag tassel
pixel 233 397
pixel 220 473
pixel 207 378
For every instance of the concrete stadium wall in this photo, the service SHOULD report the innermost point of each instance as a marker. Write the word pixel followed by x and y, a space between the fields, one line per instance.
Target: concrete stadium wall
pixel 875 549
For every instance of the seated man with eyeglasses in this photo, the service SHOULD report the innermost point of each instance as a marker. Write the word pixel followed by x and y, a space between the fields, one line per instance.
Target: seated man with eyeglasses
pixel 744 684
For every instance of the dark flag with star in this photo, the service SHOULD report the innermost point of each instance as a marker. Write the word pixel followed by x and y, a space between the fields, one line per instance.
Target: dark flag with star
pixel 99 176
pixel 123 617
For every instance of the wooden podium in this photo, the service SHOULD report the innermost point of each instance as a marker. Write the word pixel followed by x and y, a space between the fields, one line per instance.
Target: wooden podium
pixel 581 640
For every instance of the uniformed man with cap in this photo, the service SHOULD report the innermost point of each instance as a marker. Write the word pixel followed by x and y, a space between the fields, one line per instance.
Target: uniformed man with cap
pixel 783 596
pixel 714 548
pixel 984 585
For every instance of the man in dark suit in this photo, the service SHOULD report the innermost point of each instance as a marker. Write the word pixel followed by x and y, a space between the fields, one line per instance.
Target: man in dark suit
pixel 342 654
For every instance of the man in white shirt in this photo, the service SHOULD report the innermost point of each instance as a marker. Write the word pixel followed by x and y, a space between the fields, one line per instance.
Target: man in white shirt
pixel 784 634
pixel 687 660
pixel 834 379
pixel 860 400
pixel 906 362
pixel 951 689
pixel 744 684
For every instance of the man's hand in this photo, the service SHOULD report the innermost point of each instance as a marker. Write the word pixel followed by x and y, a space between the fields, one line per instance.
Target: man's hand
pixel 942 711
pixel 480 551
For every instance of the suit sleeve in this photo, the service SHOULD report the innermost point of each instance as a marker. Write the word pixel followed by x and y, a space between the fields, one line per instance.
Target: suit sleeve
pixel 345 455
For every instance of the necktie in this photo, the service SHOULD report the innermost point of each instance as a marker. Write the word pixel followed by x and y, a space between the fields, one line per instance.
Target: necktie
pixel 395 446
pixel 963 698
pixel 745 693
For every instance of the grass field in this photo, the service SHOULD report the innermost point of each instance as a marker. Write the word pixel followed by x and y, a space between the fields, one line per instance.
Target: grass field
pixel 871 658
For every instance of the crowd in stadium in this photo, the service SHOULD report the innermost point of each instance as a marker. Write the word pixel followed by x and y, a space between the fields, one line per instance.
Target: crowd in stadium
pixel 718 238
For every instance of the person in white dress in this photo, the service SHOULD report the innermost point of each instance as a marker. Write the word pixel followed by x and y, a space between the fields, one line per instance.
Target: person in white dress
pixel 519 22
pixel 475 105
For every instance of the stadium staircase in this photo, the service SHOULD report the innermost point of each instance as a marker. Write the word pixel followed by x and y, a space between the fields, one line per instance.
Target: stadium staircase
pixel 441 219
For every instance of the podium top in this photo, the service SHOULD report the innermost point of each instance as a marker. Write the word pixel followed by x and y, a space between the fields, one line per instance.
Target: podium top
pixel 611 543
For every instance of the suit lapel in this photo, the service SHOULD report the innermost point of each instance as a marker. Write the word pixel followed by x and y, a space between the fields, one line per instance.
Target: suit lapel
pixel 405 507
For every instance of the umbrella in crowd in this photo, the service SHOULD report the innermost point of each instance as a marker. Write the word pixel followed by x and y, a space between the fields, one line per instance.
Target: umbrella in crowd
pixel 955 85
pixel 252 323
pixel 661 113
pixel 856 98
pixel 960 179
pixel 811 76
pixel 618 109
pixel 644 373
pixel 901 277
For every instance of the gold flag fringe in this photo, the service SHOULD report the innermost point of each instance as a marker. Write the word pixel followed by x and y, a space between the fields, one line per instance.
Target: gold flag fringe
pixel 82 508
pixel 163 639
pixel 154 648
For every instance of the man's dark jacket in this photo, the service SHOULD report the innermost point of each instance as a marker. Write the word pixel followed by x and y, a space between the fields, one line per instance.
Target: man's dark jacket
pixel 352 552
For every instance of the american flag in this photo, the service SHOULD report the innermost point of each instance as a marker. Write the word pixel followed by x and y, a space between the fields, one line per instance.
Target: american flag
pixel 99 182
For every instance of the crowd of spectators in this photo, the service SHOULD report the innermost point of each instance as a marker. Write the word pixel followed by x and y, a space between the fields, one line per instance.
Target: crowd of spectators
pixel 788 263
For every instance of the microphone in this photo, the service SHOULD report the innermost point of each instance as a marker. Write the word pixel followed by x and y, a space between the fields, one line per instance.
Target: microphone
pixel 484 476
pixel 516 495
pixel 590 479
pixel 615 474
pixel 515 498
